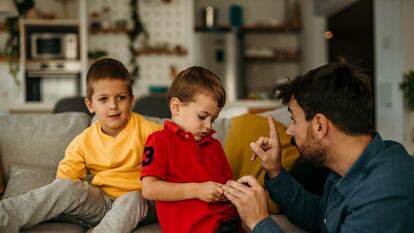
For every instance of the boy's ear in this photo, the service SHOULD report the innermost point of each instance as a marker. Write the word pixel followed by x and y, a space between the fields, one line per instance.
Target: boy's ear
pixel 175 104
pixel 89 105
pixel 132 101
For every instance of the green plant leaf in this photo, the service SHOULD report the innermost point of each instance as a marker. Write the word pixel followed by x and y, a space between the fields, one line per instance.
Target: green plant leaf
pixel 407 87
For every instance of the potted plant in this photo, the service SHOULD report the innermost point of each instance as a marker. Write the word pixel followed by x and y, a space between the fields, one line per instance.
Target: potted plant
pixel 407 87
pixel 137 29
pixel 12 49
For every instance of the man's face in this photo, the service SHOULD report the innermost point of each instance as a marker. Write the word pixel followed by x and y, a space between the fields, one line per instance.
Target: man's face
pixel 303 136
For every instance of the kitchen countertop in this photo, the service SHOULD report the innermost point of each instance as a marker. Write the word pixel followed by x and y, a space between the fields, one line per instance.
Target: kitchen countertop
pixel 239 107
pixel 31 108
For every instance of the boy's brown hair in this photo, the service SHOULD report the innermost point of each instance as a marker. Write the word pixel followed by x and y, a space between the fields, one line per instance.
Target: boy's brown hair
pixel 107 68
pixel 194 81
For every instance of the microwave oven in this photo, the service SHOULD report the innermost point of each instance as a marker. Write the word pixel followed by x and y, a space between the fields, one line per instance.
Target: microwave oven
pixel 54 45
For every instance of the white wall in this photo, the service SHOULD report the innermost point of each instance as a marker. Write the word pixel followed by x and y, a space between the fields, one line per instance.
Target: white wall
pixel 388 60
pixel 313 44
pixel 9 92
pixel 408 64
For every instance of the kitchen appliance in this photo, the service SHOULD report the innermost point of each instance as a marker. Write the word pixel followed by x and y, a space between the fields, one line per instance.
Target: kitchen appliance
pixel 51 55
pixel 51 39
pixel 48 45
pixel 221 52
pixel 210 15
pixel 42 77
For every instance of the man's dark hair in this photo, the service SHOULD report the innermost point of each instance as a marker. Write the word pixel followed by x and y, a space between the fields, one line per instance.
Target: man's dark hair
pixel 340 91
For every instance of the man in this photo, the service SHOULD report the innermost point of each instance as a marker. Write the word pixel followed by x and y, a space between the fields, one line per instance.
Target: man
pixel 371 185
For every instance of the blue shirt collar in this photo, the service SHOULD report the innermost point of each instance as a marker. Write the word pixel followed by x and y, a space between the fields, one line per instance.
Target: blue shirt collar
pixel 354 175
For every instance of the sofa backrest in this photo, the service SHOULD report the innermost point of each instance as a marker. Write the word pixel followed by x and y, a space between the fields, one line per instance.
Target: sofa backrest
pixel 37 140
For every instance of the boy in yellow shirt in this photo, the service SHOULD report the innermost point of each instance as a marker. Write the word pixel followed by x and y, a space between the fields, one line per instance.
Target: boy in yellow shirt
pixel 110 150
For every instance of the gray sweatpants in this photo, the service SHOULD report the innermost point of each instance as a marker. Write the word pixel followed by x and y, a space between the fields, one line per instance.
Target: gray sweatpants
pixel 78 200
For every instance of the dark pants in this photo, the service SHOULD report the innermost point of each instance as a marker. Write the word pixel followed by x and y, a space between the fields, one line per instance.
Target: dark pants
pixel 230 226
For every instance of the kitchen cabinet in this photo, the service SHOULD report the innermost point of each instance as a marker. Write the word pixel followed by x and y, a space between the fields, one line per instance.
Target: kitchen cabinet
pixel 267 55
pixel 269 48
pixel 50 58
pixel 271 54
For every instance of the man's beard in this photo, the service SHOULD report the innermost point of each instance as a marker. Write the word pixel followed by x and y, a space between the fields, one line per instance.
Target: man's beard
pixel 311 151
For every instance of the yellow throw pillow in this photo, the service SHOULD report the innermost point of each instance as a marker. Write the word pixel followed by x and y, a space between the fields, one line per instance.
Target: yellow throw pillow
pixel 248 128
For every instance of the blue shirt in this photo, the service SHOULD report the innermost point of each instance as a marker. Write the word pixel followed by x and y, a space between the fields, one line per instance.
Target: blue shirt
pixel 375 195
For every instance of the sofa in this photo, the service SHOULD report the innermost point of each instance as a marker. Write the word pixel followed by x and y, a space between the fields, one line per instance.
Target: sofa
pixel 31 147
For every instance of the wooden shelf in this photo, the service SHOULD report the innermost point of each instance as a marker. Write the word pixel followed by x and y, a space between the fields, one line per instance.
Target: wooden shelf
pixel 251 29
pixel 275 56
pixel 270 29
pixel 171 52
pixel 51 22
pixel 110 30
pixel 271 59
pixel 4 58
pixel 220 29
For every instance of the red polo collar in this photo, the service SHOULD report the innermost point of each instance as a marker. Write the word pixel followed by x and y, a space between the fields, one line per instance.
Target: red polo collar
pixel 171 126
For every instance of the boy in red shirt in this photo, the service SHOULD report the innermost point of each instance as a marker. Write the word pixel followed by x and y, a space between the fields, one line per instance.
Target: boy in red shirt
pixel 184 167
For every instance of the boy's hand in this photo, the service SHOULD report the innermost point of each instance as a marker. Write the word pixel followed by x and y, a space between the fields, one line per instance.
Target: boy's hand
pixel 211 192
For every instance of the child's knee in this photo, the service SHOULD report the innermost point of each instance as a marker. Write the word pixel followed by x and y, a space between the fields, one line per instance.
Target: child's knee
pixel 63 184
pixel 131 198
pixel 70 187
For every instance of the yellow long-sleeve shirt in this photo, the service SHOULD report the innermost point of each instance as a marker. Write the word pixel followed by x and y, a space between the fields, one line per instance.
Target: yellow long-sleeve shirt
pixel 114 162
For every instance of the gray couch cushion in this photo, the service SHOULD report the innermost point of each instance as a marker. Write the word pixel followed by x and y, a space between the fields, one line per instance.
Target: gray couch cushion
pixel 24 178
pixel 38 139
pixel 149 228
pixel 53 227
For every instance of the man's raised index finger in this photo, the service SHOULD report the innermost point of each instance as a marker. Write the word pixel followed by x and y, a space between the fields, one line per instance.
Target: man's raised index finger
pixel 273 132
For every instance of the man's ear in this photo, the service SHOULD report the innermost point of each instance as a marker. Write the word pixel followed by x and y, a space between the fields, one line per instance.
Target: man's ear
pixel 89 105
pixel 175 105
pixel 320 125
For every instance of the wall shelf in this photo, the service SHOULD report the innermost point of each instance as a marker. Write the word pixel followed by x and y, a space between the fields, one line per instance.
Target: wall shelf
pixel 276 56
pixel 251 29
pixel 110 30
pixel 4 58
pixel 171 52
pixel 271 59
pixel 270 29
pixel 219 29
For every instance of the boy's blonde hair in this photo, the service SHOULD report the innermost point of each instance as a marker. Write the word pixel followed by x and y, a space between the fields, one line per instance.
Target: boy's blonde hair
pixel 196 80
pixel 107 68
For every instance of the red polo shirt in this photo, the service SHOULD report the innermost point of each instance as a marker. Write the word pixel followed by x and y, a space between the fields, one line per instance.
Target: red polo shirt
pixel 174 156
